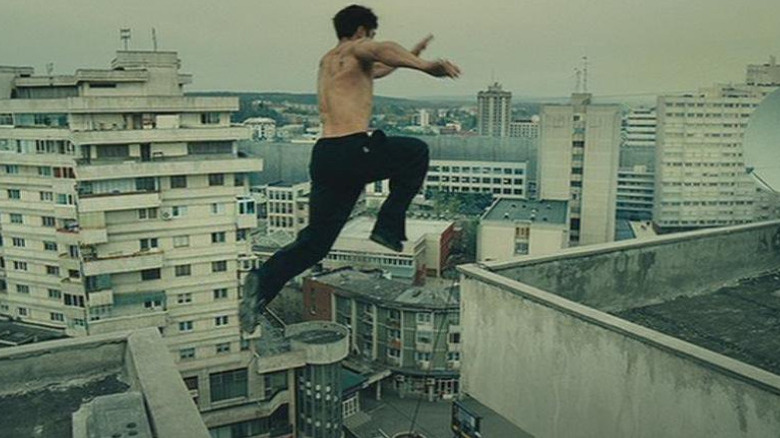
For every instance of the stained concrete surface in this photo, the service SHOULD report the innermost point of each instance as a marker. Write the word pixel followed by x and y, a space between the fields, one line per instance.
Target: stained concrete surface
pixel 47 412
pixel 741 320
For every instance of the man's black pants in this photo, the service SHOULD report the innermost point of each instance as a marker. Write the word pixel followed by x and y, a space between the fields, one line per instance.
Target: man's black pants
pixel 340 168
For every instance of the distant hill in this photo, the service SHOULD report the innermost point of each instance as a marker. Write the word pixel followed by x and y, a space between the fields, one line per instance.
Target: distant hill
pixel 302 98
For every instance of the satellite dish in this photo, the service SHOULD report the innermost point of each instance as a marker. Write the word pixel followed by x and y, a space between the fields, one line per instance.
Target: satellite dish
pixel 762 143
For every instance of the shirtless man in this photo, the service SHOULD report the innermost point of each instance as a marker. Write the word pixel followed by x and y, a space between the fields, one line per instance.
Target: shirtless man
pixel 346 157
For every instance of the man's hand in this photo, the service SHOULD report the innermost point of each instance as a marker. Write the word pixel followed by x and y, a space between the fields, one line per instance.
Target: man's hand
pixel 422 45
pixel 443 68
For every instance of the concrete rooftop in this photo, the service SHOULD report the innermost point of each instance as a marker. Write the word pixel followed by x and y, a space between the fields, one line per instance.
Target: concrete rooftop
pixel 373 287
pixel 512 210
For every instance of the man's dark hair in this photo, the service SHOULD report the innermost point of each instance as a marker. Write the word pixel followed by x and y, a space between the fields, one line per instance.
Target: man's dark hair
pixel 350 18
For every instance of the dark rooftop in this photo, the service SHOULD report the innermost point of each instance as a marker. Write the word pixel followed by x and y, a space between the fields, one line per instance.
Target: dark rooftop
pixel 741 320
pixel 372 286
pixel 14 333
pixel 553 212
pixel 46 412
pixel 318 337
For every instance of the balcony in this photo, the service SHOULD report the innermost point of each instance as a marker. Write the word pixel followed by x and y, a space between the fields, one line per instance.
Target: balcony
pixel 120 201
pixel 394 343
pixel 138 261
pixel 166 166
pixel 425 347
pixel 244 221
pixel 65 211
pixel 179 135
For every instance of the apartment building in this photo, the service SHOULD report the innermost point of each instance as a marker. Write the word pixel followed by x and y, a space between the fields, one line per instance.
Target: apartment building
pixel 528 128
pixel 288 206
pixel 579 152
pixel 124 204
pixel 412 331
pixel 635 189
pixel 494 111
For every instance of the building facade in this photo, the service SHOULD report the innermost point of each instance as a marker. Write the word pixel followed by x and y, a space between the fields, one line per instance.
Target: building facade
pixel 413 331
pixel 512 228
pixel 288 207
pixel 639 127
pixel 578 162
pixel 525 128
pixel 701 180
pixel 124 204
pixel 263 128
pixel 635 188
pixel 494 111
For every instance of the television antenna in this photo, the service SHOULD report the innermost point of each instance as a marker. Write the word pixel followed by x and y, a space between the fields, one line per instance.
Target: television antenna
pixel 154 38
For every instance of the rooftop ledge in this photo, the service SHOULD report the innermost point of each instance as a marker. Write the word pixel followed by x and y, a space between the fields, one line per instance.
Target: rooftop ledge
pixel 42 385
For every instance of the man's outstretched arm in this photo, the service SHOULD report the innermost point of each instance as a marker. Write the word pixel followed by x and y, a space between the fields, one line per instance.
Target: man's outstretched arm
pixel 381 70
pixel 393 55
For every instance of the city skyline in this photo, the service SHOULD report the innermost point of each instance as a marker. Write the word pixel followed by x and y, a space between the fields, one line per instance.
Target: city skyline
pixel 532 48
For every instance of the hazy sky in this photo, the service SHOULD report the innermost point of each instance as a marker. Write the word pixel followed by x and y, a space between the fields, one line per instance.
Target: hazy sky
pixel 531 46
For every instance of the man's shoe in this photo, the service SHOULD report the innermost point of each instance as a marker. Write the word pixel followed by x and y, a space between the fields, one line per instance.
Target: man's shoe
pixel 394 245
pixel 252 303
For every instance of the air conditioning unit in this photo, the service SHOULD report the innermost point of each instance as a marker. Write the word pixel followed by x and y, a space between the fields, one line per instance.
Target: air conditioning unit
pixel 166 215
pixel 400 379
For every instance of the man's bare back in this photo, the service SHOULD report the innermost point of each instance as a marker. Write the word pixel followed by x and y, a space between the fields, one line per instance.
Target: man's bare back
pixel 345 82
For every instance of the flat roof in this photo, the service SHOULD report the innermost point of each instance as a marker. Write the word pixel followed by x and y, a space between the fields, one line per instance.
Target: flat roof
pixel 374 287
pixel 741 320
pixel 14 333
pixel 354 235
pixel 553 212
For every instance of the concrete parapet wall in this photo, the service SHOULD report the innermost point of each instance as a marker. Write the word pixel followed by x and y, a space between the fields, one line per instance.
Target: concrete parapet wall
pixel 617 276
pixel 560 369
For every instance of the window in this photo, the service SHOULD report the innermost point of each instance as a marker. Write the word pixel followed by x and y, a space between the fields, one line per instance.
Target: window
pixel 424 318
pixel 223 347
pixel 218 237
pixel 56 316
pixel 178 211
pixel 73 300
pixel 145 184
pixel 454 338
pixel 52 270
pixel 20 266
pixel 186 353
pixel 422 356
pixel 49 246
pixel 239 179
pixel 185 326
pixel 153 303
pixel 453 356
pixel 424 336
pixel 183 270
pixel 46 196
pixel 220 294
pixel 228 384
pixel 217 208
pixel 147 213
pixel 64 199
pixel 14 194
pixel 247 206
pixel 184 298
pixel 44 171
pixel 23 311
pixel 48 221
pixel 274 383
pixel 216 179
pixel 209 118
pixel 179 181
pixel 150 274
pixel 73 273
pixel 220 266
pixel 17 218
pixel 150 243
pixel 394 352
pixel 64 172
pixel 181 241
pixel 55 294
pixel 22 289
pixel 113 151
pixel 241 235
pixel 221 320
pixel 73 251
pixel 12 169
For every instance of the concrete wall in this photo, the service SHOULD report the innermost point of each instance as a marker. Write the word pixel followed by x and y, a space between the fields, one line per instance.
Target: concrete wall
pixel 613 277
pixel 559 369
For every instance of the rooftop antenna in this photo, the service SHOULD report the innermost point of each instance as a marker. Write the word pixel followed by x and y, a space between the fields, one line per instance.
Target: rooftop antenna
pixel 154 38
pixel 584 74
pixel 578 76
pixel 124 35
pixel 49 68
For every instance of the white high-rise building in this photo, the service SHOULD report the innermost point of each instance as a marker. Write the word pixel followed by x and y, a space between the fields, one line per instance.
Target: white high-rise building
pixel 494 111
pixel 639 127
pixel 422 118
pixel 578 161
pixel 124 204
pixel 525 128
pixel 701 180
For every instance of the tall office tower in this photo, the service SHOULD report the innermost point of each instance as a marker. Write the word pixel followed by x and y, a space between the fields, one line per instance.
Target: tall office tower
pixel 701 180
pixel 639 128
pixel 124 204
pixel 764 75
pixel 494 111
pixel 578 161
